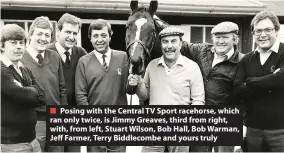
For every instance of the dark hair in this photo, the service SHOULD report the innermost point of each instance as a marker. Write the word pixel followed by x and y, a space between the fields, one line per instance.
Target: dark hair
pixel 12 32
pixel 99 24
pixel 263 15
pixel 41 22
pixel 68 18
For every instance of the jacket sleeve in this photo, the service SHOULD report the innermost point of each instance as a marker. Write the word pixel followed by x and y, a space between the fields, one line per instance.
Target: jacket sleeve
pixel 240 87
pixel 192 51
pixel 41 92
pixel 197 87
pixel 81 85
pixel 28 96
pixel 143 88
pixel 275 80
pixel 241 92
pixel 62 85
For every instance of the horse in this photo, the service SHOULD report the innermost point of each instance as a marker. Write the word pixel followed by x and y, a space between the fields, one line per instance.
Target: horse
pixel 142 29
pixel 143 45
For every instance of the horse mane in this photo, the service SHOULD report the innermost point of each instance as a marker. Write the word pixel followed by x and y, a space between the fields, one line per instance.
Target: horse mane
pixel 160 24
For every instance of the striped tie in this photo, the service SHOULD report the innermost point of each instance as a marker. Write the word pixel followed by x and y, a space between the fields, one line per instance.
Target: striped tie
pixel 68 61
pixel 40 58
pixel 104 61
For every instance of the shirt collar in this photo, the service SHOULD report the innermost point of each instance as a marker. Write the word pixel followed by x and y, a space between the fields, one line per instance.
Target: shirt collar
pixel 34 53
pixel 62 50
pixel 178 62
pixel 274 48
pixel 226 56
pixel 98 54
pixel 8 62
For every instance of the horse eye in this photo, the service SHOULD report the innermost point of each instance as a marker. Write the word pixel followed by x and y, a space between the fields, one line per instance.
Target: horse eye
pixel 151 32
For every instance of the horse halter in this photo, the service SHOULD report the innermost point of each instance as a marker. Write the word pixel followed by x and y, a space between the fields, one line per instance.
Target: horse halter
pixel 146 50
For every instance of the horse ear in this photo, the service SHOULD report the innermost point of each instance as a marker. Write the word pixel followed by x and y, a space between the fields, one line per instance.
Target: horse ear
pixel 134 4
pixel 153 6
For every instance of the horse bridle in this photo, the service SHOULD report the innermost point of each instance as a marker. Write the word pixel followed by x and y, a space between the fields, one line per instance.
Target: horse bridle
pixel 147 51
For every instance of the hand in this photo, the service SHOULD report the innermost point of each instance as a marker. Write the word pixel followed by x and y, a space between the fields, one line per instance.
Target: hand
pixel 18 83
pixel 133 79
pixel 276 71
pixel 197 103
pixel 238 149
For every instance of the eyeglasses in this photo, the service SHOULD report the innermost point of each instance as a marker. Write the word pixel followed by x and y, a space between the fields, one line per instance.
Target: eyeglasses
pixel 258 32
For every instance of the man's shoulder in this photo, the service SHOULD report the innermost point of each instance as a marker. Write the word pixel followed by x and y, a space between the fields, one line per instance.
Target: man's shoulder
pixel 86 57
pixel 79 49
pixel 281 48
pixel 188 62
pixel 3 66
pixel 153 63
pixel 52 53
pixel 52 47
pixel 118 52
pixel 240 56
pixel 249 54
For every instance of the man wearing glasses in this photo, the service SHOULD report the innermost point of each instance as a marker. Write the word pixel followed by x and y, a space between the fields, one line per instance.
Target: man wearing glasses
pixel 260 83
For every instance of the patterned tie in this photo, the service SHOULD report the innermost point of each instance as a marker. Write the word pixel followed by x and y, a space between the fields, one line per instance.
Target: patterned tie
pixel 40 58
pixel 68 61
pixel 104 61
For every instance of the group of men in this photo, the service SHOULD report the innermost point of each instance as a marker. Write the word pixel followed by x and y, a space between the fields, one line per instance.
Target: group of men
pixel 63 73
pixel 55 74
pixel 219 74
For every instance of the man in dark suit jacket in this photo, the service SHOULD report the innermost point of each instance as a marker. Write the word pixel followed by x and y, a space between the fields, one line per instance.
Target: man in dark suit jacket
pixel 68 29
pixel 20 94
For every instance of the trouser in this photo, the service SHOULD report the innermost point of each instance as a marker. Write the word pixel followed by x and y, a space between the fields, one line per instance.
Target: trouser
pixel 41 137
pixel 106 149
pixel 32 146
pixel 265 140
pixel 162 149
pixel 209 148
pixel 72 148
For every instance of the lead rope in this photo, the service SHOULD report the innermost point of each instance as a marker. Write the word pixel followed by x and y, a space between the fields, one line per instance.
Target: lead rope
pixel 132 90
pixel 131 96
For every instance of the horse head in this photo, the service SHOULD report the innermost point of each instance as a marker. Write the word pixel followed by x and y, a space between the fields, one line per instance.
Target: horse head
pixel 140 36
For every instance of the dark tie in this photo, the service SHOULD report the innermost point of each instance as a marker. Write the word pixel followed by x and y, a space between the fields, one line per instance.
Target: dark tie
pixel 104 61
pixel 68 61
pixel 40 58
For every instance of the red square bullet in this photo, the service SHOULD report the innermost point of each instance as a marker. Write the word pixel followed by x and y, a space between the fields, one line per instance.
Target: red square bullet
pixel 52 110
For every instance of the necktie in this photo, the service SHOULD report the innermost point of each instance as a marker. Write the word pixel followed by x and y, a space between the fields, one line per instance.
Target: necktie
pixel 68 61
pixel 104 61
pixel 40 58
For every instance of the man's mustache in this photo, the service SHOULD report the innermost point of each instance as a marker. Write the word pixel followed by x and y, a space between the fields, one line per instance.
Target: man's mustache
pixel 170 50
